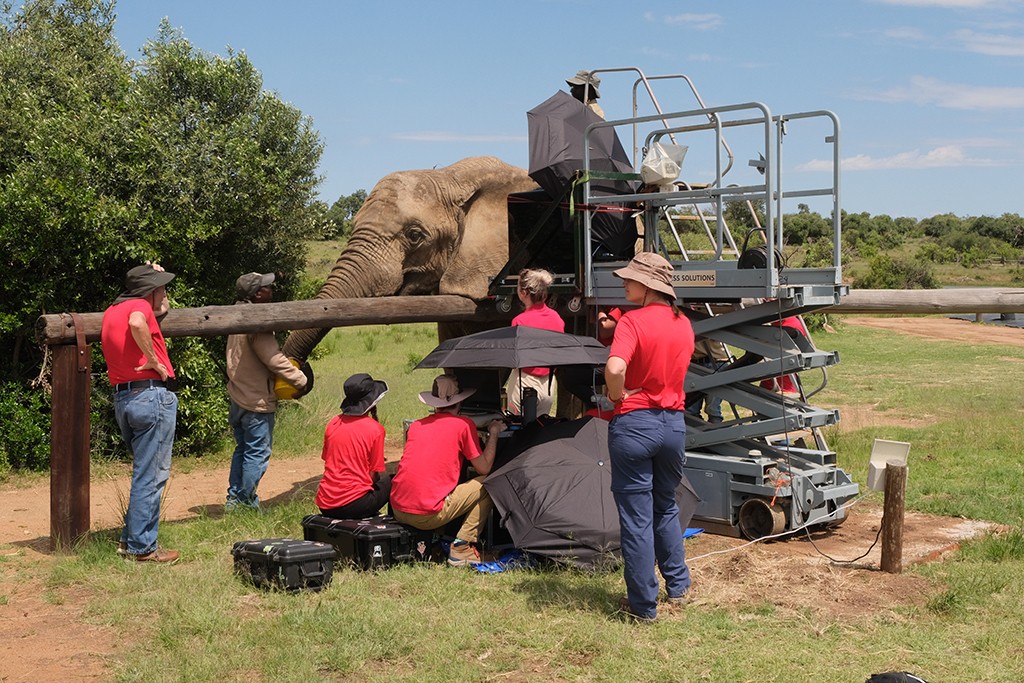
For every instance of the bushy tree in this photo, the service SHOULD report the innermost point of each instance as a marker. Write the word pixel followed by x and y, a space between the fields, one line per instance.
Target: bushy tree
pixel 886 272
pixel 104 163
pixel 805 226
pixel 341 213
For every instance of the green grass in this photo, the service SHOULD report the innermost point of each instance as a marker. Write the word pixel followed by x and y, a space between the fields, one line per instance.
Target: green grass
pixel 958 406
pixel 387 352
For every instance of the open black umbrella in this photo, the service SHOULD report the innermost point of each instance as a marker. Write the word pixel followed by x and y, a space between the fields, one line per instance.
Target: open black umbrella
pixel 516 347
pixel 555 498
pixel 556 127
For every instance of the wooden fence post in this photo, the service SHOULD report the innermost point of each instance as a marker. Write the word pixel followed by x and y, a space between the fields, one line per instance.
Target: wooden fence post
pixel 892 517
pixel 69 444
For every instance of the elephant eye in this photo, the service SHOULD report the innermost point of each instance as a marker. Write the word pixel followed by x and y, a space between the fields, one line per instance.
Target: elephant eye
pixel 416 235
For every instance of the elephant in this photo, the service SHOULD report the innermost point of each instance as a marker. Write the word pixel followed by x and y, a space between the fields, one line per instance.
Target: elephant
pixel 436 231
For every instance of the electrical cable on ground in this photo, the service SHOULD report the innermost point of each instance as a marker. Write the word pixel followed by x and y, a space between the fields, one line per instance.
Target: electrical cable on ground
pixel 805 527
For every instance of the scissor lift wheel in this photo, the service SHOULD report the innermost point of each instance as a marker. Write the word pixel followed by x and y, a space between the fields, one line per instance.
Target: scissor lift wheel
pixel 759 518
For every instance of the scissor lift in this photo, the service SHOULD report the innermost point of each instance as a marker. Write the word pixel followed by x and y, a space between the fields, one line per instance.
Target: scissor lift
pixel 767 469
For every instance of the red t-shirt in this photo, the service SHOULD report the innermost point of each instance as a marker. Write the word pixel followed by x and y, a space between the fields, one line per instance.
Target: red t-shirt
pixel 353 451
pixel 657 347
pixel 544 318
pixel 435 448
pixel 614 314
pixel 786 384
pixel 120 349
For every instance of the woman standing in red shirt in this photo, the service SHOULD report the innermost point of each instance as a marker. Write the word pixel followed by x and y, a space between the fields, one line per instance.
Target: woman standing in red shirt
pixel 644 375
pixel 354 485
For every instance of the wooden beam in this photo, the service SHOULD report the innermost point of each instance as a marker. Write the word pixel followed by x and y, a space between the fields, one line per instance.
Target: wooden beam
pixel 215 321
pixel 69 446
pixel 892 517
pixel 959 300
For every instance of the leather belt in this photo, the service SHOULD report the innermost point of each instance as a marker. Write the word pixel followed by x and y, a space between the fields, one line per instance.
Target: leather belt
pixel 139 384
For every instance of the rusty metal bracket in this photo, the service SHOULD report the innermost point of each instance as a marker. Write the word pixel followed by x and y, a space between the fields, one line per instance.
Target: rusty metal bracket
pixel 80 343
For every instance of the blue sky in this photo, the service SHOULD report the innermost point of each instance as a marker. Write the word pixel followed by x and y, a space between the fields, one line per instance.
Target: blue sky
pixel 929 93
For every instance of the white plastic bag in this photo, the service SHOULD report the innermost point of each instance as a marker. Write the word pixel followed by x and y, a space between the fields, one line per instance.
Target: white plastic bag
pixel 662 164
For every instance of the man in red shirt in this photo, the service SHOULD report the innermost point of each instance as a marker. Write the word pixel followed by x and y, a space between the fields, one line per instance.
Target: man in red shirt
pixel 145 405
pixel 426 492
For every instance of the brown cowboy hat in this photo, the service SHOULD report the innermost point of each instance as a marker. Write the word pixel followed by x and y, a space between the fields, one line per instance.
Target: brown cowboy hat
pixel 650 270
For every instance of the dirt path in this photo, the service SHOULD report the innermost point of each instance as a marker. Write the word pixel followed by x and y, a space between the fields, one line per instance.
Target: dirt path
pixel 43 639
pixel 945 329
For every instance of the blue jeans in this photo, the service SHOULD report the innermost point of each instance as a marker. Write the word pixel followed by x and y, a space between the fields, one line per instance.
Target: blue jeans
pixel 147 418
pixel 712 404
pixel 648 452
pixel 254 436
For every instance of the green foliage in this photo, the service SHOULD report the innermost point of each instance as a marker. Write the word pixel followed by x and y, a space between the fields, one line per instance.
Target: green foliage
pixel 742 217
pixel 104 163
pixel 339 216
pixel 888 273
pixel 202 399
pixel 24 428
pixel 806 226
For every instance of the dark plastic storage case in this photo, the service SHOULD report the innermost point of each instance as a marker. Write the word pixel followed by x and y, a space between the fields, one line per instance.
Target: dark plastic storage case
pixel 372 543
pixel 285 563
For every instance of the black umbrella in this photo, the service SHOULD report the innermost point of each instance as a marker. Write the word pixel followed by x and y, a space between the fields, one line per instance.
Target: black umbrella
pixel 516 347
pixel 556 127
pixel 555 498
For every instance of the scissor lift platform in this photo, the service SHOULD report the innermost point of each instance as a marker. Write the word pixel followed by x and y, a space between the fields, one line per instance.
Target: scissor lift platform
pixel 754 475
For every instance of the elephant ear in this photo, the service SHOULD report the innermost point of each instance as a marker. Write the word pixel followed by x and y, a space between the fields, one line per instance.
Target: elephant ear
pixel 480 188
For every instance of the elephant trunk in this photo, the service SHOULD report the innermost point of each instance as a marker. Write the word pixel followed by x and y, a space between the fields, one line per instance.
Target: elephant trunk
pixel 352 276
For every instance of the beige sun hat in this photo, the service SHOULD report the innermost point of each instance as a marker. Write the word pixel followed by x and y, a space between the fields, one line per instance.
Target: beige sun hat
pixel 651 270
pixel 584 77
pixel 445 392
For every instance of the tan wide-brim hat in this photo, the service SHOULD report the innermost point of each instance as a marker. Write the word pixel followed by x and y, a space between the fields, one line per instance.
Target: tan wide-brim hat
pixel 651 270
pixel 445 392
pixel 584 77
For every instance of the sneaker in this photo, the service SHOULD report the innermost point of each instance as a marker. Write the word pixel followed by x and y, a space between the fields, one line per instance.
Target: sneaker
pixel 122 548
pixel 158 555
pixel 627 609
pixel 463 555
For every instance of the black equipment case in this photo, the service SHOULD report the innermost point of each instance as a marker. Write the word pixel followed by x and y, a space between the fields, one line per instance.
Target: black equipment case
pixel 372 543
pixel 285 563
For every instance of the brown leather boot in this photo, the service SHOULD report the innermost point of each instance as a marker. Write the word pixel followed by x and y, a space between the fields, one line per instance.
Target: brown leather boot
pixel 158 555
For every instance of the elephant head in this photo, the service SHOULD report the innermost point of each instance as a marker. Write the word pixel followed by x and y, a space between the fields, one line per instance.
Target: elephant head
pixel 438 231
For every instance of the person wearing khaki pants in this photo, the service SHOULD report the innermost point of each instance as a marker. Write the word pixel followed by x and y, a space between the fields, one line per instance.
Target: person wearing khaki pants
pixel 425 492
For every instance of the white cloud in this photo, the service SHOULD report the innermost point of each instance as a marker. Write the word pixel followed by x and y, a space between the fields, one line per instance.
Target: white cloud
pixel 926 91
pixel 947 156
pixel 443 136
pixel 993 44
pixel 954 4
pixel 905 33
pixel 701 22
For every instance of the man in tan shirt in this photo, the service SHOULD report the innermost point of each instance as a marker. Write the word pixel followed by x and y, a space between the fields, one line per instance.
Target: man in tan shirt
pixel 254 362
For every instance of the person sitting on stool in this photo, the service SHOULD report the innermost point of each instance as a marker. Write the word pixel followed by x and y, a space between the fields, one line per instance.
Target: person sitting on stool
pixel 426 493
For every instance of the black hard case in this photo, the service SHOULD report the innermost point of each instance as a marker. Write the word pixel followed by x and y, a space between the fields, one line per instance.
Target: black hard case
pixel 285 563
pixel 372 543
